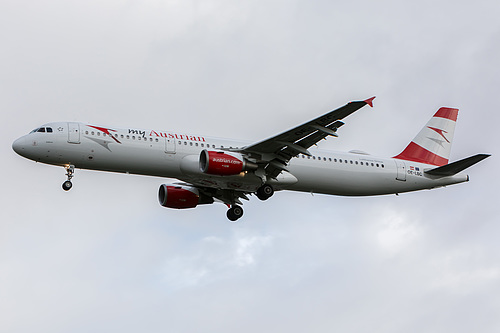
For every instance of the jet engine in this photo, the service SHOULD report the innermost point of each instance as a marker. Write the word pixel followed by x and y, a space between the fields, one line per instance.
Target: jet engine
pixel 178 196
pixel 223 163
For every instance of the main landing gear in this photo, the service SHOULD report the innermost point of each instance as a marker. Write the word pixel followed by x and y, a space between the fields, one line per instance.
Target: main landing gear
pixel 70 171
pixel 265 192
pixel 234 213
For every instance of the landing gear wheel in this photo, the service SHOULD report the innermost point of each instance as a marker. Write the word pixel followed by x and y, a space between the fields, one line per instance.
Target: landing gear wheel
pixel 67 185
pixel 265 192
pixel 234 213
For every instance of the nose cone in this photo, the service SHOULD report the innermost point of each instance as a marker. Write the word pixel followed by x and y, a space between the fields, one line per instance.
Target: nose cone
pixel 19 146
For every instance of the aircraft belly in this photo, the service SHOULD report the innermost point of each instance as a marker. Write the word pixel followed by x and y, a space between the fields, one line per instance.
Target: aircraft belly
pixel 355 181
pixel 347 180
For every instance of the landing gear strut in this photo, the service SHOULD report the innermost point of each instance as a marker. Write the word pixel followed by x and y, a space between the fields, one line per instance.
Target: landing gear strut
pixel 70 171
pixel 234 213
pixel 265 192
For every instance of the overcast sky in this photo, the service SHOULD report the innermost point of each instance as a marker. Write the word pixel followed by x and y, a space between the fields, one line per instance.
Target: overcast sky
pixel 105 257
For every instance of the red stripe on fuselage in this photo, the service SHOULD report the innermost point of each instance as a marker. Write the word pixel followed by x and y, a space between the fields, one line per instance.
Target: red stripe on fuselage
pixel 448 113
pixel 415 153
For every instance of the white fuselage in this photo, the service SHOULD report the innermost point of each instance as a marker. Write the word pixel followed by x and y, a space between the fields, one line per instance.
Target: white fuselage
pixel 175 155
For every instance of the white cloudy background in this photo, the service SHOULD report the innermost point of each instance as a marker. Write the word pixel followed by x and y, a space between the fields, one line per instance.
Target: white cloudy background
pixel 105 257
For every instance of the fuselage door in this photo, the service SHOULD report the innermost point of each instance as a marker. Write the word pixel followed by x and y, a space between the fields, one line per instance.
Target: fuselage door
pixel 73 133
pixel 401 167
pixel 170 146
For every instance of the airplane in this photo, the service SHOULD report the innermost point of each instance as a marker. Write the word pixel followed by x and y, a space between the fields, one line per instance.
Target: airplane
pixel 210 169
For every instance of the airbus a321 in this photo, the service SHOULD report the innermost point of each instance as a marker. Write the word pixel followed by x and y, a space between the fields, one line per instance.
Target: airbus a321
pixel 210 169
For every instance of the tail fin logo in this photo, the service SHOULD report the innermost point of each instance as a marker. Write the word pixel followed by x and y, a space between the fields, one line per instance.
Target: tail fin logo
pixel 440 132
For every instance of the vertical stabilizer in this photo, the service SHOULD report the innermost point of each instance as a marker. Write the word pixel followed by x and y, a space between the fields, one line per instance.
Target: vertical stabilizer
pixel 432 145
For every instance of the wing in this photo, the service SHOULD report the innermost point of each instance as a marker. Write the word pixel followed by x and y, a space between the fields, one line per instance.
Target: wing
pixel 226 196
pixel 277 151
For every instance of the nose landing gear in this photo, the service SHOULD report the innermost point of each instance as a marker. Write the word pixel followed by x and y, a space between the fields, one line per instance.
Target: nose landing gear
pixel 70 170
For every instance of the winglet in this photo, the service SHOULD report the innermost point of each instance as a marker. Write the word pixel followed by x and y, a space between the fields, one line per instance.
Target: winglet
pixel 369 101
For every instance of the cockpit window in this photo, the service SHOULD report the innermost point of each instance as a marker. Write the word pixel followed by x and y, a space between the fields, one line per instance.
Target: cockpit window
pixel 42 130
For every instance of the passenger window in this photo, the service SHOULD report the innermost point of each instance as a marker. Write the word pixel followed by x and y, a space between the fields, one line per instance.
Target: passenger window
pixel 382 165
pixel 86 132
pixel 351 162
pixel 121 136
pixel 373 164
pixel 98 133
pixel 340 161
pixel 361 163
pixel 156 139
pixel 377 165
pixel 356 162
pixel 128 136
pixel 191 144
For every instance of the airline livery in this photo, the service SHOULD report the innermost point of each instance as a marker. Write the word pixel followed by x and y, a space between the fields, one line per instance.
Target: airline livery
pixel 210 169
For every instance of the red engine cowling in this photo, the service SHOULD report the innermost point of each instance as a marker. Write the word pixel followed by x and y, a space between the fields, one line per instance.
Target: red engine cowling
pixel 223 163
pixel 179 197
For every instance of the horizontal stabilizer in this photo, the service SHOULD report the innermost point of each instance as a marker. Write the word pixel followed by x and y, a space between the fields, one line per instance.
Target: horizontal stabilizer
pixel 455 167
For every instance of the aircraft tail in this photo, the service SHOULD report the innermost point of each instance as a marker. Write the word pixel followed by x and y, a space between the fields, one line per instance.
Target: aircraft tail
pixel 432 145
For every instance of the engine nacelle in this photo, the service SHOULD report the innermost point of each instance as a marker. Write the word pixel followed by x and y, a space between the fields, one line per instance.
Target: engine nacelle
pixel 179 197
pixel 223 163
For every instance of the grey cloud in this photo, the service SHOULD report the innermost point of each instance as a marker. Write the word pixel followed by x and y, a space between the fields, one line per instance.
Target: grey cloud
pixel 107 257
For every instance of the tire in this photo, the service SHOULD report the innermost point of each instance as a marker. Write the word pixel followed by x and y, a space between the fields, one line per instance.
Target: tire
pixel 234 213
pixel 67 185
pixel 265 192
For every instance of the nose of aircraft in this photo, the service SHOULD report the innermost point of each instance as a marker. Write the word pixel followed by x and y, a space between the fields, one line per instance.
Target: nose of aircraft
pixel 19 145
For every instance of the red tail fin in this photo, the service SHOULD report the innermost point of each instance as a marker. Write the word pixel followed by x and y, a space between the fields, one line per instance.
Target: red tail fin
pixel 432 145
